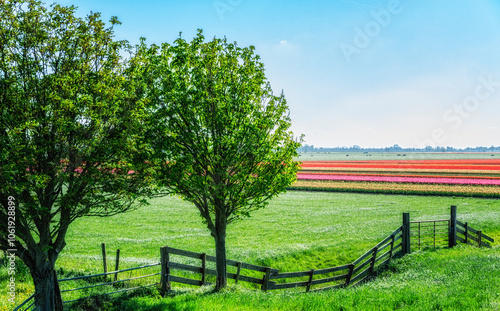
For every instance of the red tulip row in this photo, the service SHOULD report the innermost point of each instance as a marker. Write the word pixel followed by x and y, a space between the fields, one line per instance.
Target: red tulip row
pixel 402 179
pixel 493 167
pixel 416 176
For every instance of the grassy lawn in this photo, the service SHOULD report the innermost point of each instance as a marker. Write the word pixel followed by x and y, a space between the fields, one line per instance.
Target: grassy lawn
pixel 464 278
pixel 297 231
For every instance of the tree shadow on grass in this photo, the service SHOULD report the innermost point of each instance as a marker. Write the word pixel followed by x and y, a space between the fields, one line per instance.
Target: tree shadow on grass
pixel 143 299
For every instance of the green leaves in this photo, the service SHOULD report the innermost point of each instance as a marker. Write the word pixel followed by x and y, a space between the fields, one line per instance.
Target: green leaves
pixel 71 125
pixel 220 136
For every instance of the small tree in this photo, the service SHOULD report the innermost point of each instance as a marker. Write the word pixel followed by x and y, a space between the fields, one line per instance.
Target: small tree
pixel 68 133
pixel 221 138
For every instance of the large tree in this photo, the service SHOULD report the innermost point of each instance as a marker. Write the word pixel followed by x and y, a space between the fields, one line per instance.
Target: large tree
pixel 220 138
pixel 69 133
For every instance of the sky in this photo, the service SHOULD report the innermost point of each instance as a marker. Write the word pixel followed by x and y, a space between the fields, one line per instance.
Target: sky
pixel 368 73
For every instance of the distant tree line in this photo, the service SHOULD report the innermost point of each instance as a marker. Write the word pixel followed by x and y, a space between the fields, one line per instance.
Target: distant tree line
pixel 396 148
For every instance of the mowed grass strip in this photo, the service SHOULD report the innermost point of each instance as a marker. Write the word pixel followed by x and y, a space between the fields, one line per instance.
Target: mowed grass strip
pixel 298 231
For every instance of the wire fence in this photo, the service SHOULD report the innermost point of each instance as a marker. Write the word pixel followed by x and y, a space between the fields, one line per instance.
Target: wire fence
pixel 411 235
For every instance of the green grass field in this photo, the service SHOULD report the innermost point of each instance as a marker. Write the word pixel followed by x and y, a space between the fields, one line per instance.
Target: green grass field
pixel 460 279
pixel 298 231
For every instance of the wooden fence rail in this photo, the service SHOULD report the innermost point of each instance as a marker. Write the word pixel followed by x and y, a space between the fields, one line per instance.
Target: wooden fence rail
pixel 168 264
pixel 472 236
pixel 398 242
pixel 340 276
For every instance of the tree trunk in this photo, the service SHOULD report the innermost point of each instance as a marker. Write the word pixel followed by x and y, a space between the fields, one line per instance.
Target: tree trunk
pixel 47 294
pixel 220 253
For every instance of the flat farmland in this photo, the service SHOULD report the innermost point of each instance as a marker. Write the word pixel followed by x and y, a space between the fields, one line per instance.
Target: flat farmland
pixel 301 230
pixel 458 176
pixel 298 231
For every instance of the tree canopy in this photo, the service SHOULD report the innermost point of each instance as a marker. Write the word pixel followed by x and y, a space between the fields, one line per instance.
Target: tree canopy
pixel 70 132
pixel 220 138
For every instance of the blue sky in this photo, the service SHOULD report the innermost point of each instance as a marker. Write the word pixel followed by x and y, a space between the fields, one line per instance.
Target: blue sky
pixel 369 73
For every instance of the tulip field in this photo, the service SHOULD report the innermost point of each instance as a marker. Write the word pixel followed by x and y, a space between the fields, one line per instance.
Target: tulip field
pixel 456 177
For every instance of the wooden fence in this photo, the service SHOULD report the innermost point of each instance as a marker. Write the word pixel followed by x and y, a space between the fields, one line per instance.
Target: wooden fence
pixel 435 233
pixel 335 277
pixel 472 236
pixel 416 233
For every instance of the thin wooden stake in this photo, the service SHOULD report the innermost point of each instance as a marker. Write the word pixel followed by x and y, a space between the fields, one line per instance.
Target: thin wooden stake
pixel 104 263
pixel 117 264
pixel 238 265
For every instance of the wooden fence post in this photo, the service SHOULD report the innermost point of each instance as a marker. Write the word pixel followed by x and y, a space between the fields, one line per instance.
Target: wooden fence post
pixel 165 271
pixel 374 257
pixel 238 271
pixel 466 233
pixel 452 237
pixel 104 263
pixel 479 238
pixel 117 264
pixel 203 267
pixel 406 234
pixel 349 275
pixel 265 284
pixel 392 246
pixel 309 283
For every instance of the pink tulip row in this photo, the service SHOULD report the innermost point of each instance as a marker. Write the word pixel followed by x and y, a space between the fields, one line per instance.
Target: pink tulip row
pixel 400 179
